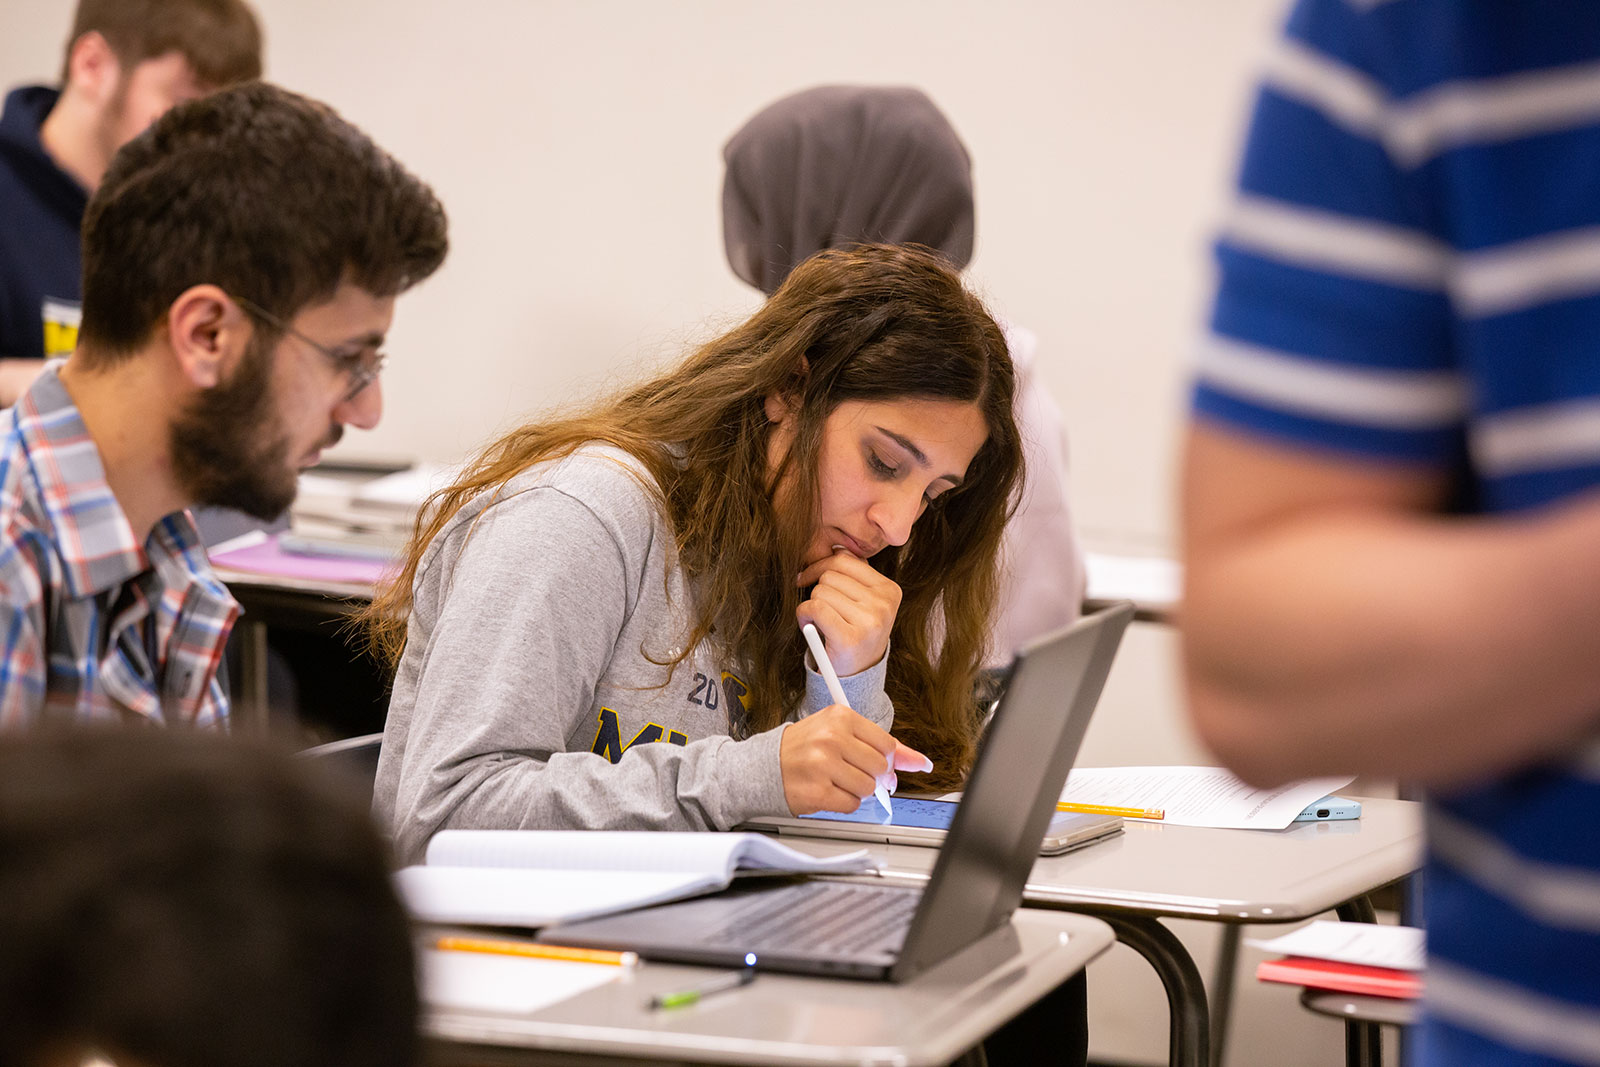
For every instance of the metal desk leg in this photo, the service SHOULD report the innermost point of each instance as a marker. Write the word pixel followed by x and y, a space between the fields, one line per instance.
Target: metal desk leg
pixel 1359 910
pixel 1222 991
pixel 249 713
pixel 1362 1046
pixel 1189 1036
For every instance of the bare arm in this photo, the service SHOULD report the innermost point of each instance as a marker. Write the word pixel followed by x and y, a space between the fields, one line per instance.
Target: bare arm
pixel 15 377
pixel 1335 622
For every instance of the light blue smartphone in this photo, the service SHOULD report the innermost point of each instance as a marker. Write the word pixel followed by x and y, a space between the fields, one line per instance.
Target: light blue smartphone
pixel 1330 808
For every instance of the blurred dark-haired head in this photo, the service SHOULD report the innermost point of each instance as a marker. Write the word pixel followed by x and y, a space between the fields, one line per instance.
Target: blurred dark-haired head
pixel 186 900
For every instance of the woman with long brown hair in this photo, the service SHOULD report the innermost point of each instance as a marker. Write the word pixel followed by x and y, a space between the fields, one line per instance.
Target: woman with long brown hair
pixel 640 572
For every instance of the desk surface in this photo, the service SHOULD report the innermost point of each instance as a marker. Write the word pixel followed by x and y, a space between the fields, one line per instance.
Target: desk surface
pixel 314 588
pixel 1151 583
pixel 1256 876
pixel 790 1020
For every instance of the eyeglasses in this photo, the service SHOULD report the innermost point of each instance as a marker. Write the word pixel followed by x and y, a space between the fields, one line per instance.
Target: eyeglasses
pixel 362 369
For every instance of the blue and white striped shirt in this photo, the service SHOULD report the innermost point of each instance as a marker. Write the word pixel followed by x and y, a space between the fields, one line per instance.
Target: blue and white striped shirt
pixel 96 626
pixel 1411 273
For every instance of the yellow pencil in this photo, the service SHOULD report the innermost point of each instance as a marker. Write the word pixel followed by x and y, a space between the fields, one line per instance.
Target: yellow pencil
pixel 541 952
pixel 1112 809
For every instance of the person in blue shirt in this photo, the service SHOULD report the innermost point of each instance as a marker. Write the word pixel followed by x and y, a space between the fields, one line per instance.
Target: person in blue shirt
pixel 127 62
pixel 1392 482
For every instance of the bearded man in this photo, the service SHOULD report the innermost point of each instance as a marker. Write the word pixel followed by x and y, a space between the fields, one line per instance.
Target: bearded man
pixel 241 263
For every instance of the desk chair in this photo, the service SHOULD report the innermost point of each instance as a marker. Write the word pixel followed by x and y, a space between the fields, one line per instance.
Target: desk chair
pixel 353 758
pixel 1366 1049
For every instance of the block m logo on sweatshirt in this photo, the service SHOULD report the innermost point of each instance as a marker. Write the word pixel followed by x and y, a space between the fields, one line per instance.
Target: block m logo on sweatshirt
pixel 608 739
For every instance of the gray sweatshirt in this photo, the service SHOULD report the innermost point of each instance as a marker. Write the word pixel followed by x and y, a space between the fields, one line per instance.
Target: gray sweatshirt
pixel 527 696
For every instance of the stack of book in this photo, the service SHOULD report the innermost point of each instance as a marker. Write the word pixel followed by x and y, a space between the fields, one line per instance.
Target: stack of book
pixel 359 512
pixel 1353 957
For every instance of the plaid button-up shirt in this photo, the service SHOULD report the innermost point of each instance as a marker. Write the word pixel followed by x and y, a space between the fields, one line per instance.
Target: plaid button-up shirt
pixel 94 626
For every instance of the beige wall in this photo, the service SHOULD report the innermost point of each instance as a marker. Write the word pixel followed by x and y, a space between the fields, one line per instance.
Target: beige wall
pixel 576 144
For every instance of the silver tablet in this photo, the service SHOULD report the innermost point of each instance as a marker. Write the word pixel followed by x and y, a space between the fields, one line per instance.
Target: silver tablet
pixel 916 821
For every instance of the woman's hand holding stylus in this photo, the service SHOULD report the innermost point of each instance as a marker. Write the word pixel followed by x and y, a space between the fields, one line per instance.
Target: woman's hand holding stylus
pixel 831 760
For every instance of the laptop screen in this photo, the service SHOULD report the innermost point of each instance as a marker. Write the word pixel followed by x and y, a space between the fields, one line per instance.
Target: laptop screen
pixel 1033 738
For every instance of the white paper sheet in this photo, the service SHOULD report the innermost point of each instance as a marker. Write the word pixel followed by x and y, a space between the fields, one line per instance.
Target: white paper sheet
pixel 1197 796
pixel 481 981
pixel 1402 947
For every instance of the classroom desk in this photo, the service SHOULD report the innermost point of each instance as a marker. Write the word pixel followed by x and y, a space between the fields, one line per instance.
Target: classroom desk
pixel 786 1020
pixel 1153 871
pixel 270 600
pixel 1153 583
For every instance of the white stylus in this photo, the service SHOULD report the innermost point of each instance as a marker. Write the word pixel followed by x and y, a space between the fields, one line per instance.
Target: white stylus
pixel 836 691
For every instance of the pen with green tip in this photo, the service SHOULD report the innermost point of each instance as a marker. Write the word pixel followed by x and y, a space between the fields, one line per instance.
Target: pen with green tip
pixel 682 998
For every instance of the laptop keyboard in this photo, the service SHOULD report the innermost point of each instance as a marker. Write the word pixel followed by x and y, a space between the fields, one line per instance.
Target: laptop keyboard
pixel 821 917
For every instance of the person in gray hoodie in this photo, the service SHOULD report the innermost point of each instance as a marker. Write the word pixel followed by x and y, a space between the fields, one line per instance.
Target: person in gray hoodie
pixel 599 624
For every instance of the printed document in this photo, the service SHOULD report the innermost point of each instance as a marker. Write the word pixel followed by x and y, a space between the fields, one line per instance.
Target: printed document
pixel 1368 944
pixel 1197 796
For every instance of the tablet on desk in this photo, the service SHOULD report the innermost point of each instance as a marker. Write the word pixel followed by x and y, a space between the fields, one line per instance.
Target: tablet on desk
pixel 915 821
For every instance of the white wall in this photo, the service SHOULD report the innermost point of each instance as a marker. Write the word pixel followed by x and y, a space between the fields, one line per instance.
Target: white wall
pixel 576 144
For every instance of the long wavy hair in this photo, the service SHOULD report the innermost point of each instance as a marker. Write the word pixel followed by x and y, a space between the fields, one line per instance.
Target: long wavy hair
pixel 868 323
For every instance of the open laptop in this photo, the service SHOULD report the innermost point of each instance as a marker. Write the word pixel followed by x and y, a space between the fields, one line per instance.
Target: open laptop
pixel 894 932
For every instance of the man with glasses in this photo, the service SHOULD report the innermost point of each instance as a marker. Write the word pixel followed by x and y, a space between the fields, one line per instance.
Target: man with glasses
pixel 241 262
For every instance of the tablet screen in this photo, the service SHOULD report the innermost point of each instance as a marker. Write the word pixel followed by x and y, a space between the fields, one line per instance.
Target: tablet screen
pixel 906 811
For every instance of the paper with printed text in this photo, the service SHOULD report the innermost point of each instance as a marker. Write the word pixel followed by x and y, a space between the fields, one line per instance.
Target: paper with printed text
pixel 1197 796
